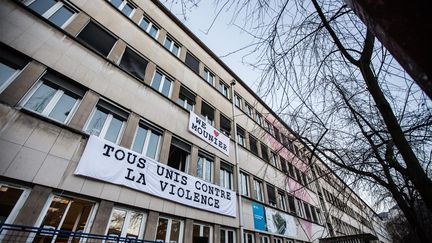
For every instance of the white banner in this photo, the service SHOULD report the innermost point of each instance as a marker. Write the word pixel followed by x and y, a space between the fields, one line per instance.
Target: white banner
pixel 208 133
pixel 109 162
pixel 280 223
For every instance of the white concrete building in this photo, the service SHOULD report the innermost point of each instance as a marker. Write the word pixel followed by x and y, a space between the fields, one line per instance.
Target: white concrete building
pixel 98 135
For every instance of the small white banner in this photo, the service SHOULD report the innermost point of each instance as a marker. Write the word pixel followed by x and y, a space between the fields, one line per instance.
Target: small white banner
pixel 208 133
pixel 109 162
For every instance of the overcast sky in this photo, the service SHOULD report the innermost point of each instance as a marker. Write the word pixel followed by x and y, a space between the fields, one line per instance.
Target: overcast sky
pixel 222 38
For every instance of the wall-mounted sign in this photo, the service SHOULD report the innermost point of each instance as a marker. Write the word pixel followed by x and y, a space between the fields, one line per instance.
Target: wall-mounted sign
pixel 208 133
pixel 109 162
pixel 280 223
pixel 259 216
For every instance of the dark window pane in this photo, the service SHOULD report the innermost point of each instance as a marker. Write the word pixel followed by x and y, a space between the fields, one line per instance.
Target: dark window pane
pixel 166 87
pixel 97 38
pixel 156 80
pixel 153 146
pixel 8 199
pixel 175 49
pixel 153 31
pixel 41 6
pixel 63 108
pixel 5 73
pixel 144 24
pixel 167 43
pixel 127 9
pixel 114 129
pixel 116 3
pixel 133 63
pixel 97 122
pixel 61 16
pixel 139 139
pixel 192 62
pixel 39 100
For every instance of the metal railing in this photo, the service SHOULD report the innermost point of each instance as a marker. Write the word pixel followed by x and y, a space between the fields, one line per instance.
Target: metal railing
pixel 22 233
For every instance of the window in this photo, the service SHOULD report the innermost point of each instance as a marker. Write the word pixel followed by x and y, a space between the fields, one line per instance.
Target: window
pixel 291 171
pixel 244 180
pixel 298 175
pixel 223 89
pixel 237 100
pixel 240 136
pixel 205 167
pixel 314 214
pixel 264 239
pixel 277 240
pixel 124 6
pixel 291 204
pixel 172 46
pixel 202 233
pixel 179 155
pixel 169 230
pixel 147 141
pixel 270 127
pixel 274 159
pixel 227 236
pixel 11 199
pixel 264 152
pixel 97 38
pixel 107 122
pixel 248 237
pixel 258 190
pixel 149 27
pixel 283 164
pixel 64 213
pixel 281 200
pixel 133 63
pixel 162 83
pixel 54 97
pixel 226 175
pixel 253 144
pixel 208 76
pixel 300 209
pixel 307 211
pixel 192 62
pixel 186 99
pixel 56 12
pixel 277 134
pixel 258 118
pixel 207 112
pixel 271 193
pixel 11 62
pixel 126 223
pixel 225 125
pixel 249 110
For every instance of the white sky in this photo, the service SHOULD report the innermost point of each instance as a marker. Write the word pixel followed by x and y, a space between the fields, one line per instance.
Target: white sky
pixel 222 38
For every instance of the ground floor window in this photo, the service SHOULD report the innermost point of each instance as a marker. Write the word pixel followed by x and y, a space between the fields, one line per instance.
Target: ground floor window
pixel 264 239
pixel 227 236
pixel 64 213
pixel 169 230
pixel 11 199
pixel 277 240
pixel 126 223
pixel 202 233
pixel 248 238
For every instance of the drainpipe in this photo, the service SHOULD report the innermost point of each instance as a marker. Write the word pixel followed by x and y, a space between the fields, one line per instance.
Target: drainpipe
pixel 239 186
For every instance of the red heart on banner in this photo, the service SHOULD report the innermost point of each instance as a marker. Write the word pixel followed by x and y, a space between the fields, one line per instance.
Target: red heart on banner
pixel 216 133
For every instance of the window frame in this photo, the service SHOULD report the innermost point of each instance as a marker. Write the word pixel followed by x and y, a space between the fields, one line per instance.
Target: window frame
pixel 126 222
pixel 122 5
pixel 244 186
pixel 173 43
pixel 226 230
pixel 237 101
pixel 224 89
pixel 60 90
pixel 164 78
pixel 206 117
pixel 150 131
pixel 107 121
pixel 53 9
pixel 241 138
pixel 258 118
pixel 258 190
pixel 227 175
pixel 207 161
pixel 185 102
pixel 209 75
pixel 248 110
pixel 149 26
pixel 168 229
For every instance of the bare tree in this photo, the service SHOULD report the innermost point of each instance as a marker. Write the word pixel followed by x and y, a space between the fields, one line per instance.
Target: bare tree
pixel 343 94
